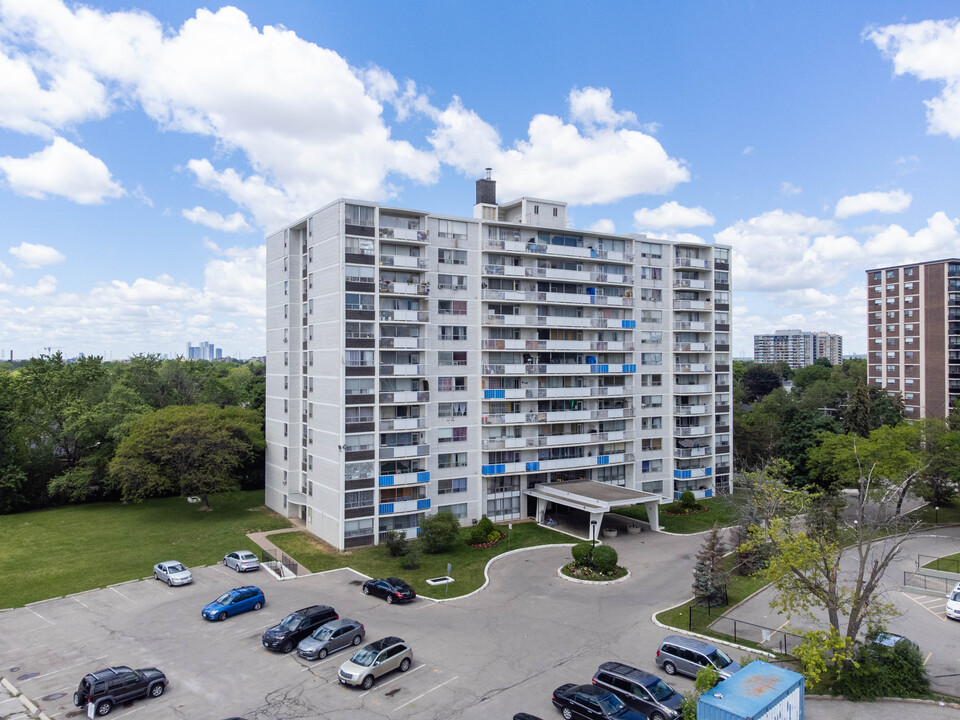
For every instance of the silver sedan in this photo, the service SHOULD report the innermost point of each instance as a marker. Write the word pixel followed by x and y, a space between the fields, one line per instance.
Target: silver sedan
pixel 172 572
pixel 241 560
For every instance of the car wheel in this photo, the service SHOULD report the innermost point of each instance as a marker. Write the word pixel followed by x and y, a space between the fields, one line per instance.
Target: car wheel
pixel 104 707
pixel 237 568
pixel 222 616
pixel 156 576
pixel 356 639
pixel 567 713
pixel 257 605
pixel 225 562
pixel 366 590
pixel 156 690
pixel 76 699
pixel 405 665
pixel 169 582
pixel 287 646
pixel 656 716
pixel 367 682
pixel 669 668
pixel 389 599
pixel 322 654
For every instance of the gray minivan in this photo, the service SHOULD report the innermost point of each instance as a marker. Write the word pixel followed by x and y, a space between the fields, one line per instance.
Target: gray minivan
pixel 678 654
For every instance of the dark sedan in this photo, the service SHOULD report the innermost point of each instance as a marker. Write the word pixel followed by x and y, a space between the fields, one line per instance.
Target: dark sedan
pixel 590 702
pixel 391 589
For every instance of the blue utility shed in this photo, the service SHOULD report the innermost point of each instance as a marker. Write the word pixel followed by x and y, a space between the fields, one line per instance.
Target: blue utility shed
pixel 758 692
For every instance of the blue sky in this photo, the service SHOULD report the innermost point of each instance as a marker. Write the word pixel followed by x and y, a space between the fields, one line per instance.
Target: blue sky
pixel 145 149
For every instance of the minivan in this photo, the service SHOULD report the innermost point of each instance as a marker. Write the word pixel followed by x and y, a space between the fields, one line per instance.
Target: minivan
pixel 639 690
pixel 678 654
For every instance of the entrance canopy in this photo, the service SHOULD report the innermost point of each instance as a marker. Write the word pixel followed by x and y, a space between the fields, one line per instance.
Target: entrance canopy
pixel 595 498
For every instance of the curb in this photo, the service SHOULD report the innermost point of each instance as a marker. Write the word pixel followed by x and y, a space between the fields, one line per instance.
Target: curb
pixel 653 619
pixel 592 582
pixel 30 707
pixel 9 687
pixel 907 701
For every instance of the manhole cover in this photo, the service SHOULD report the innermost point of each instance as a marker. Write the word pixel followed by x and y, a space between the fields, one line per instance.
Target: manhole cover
pixel 393 692
pixel 14 669
pixel 27 676
pixel 54 696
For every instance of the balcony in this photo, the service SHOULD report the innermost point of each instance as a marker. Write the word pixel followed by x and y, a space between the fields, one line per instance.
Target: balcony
pixel 518 246
pixel 690 389
pixel 691 262
pixel 688 325
pixel 405 261
pixel 532 296
pixel 411 478
pixel 692 452
pixel 416 316
pixel 404 506
pixel 573 345
pixel 394 233
pixel 402 288
pixel 683 283
pixel 401 451
pixel 558 369
pixel 691 347
pixel 403 397
pixel 403 343
pixel 692 409
pixel 403 424
pixel 692 305
pixel 403 370
pixel 558 392
pixel 693 367
pixel 564 464
pixel 692 473
pixel 691 431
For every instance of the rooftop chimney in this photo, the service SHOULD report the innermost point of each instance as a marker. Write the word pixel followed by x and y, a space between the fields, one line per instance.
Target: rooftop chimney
pixel 487 190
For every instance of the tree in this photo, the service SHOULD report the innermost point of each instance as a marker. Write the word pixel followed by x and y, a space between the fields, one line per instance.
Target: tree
pixel 806 376
pixel 194 450
pixel 439 532
pixel 709 576
pixel 758 381
pixel 857 418
pixel 707 679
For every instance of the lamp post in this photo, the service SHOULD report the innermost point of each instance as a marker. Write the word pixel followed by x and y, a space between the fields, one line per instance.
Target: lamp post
pixel 593 538
pixel 936 517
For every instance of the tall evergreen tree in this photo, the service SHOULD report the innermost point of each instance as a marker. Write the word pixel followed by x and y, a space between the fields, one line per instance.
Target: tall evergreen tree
pixel 857 417
pixel 709 577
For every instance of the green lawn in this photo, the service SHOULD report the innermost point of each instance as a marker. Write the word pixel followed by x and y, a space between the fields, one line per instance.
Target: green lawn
pixel 59 551
pixel 930 516
pixel 468 563
pixel 721 512
pixel 948 563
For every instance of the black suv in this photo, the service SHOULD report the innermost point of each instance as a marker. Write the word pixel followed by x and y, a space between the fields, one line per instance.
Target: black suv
pixel 115 685
pixel 639 690
pixel 296 626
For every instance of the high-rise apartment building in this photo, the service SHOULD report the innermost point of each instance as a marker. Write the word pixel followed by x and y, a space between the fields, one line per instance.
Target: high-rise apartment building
pixel 204 351
pixel 419 362
pixel 797 348
pixel 913 334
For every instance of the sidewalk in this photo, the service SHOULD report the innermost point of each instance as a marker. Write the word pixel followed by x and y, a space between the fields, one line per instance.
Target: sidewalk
pixel 262 539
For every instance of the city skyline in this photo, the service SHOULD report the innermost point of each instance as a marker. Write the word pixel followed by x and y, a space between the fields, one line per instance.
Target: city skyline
pixel 145 153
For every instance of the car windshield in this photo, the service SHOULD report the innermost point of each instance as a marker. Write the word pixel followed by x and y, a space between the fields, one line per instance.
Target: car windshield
pixel 365 657
pixel 224 599
pixel 290 622
pixel 660 690
pixel 247 556
pixel 956 596
pixel 322 633
pixel 720 658
pixel 176 567
pixel 610 704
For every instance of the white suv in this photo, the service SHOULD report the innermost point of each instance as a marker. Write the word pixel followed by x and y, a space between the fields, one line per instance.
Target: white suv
pixel 953 603
pixel 376 659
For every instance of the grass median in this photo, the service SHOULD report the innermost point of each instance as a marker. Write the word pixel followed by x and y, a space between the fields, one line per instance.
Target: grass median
pixel 721 511
pixel 467 562
pixel 60 551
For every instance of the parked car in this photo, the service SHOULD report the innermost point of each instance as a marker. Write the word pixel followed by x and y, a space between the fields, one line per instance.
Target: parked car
pixel 590 702
pixel 678 654
pixel 112 686
pixel 172 572
pixel 392 589
pixel 241 561
pixel 233 602
pixel 330 637
pixel 375 660
pixel 953 603
pixel 891 640
pixel 639 690
pixel 296 626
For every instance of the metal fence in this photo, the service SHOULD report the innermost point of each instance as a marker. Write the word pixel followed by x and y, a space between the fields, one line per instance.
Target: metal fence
pixel 937 563
pixel 280 557
pixel 928 582
pixel 742 631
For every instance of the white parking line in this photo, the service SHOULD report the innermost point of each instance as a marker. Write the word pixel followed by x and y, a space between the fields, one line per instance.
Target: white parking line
pixel 41 617
pixel 318 663
pixel 87 607
pixel 936 613
pixel 54 672
pixel 426 693
pixel 259 629
pixel 122 595
pixel 399 675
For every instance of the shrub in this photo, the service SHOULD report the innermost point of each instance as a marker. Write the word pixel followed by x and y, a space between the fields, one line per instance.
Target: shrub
pixel 880 671
pixel 476 536
pixel 581 553
pixel 604 558
pixel 439 532
pixel 688 501
pixel 494 536
pixel 411 560
pixel 486 525
pixel 396 543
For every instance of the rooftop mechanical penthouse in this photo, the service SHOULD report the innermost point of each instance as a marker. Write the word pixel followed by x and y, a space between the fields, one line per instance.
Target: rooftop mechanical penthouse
pixel 419 362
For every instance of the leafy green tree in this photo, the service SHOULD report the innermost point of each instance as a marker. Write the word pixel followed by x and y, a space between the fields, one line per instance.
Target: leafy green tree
pixel 800 429
pixel 194 450
pixel 439 532
pixel 709 576
pixel 806 376
pixel 758 381
pixel 707 679
pixel 857 418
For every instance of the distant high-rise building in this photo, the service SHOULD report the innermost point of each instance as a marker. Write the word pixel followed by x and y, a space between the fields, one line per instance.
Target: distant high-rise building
pixel 204 351
pixel 797 348
pixel 913 334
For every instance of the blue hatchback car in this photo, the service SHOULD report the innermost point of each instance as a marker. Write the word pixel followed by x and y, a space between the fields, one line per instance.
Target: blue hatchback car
pixel 234 601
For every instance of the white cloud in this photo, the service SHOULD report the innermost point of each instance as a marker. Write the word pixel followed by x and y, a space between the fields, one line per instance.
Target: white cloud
pixel 788 189
pixel 895 245
pixel 603 225
pixel 594 106
pixel 232 223
pixel 595 163
pixel 33 255
pixel 894 201
pixel 928 50
pixel 747 150
pixel 5 272
pixel 671 215
pixel 62 169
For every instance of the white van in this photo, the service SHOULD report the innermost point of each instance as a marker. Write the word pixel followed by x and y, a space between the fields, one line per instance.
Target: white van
pixel 953 603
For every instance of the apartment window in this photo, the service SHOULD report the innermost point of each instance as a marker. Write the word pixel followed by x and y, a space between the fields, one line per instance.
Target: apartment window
pixel 286 382
pixel 284 453
pixel 651 444
pixel 285 430
pixel 891 288
pixel 891 328
pixel 286 236
pixel 309 462
pixel 358 528
pixel 503 506
pixel 452 358
pixel 651 380
pixel 908 326
pixel 360 215
pixel 651 358
pixel 452 307
pixel 358 246
pixel 354 301
pixel 891 356
pixel 310 307
pixel 445 435
pixel 651 466
pixel 451 485
pixel 452 282
pixel 286 311
pixel 453 257
pixel 459 510
pixel 908 340
pixel 555 212
pixel 908 286
pixel 286 287
pixel 892 315
pixel 358 386
pixel 361 330
pixel 359 273
pixel 651 401
pixel 310 255
pixel 354 443
pixel 358 358
pixel 651 423
pixel 536 209
pixel 649 336
pixel 651 250
pixel 456 229
pixel 908 381
pixel 453 332
pixel 908 272
pixel 651 316
pixel 286 359
pixel 451 460
pixel 451 384
pixel 891 368
pixel 363 498
pixel 455 409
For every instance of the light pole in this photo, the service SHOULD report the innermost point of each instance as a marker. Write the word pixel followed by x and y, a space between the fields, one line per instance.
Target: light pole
pixel 593 538
pixel 936 517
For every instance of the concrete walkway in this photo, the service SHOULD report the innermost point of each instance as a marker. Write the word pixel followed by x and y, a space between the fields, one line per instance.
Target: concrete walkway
pixel 262 539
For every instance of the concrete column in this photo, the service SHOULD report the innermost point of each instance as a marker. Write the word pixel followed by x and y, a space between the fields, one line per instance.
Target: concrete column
pixel 598 516
pixel 653 515
pixel 541 510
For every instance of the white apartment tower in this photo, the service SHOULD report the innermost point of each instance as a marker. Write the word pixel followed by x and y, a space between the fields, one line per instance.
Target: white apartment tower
pixel 419 362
